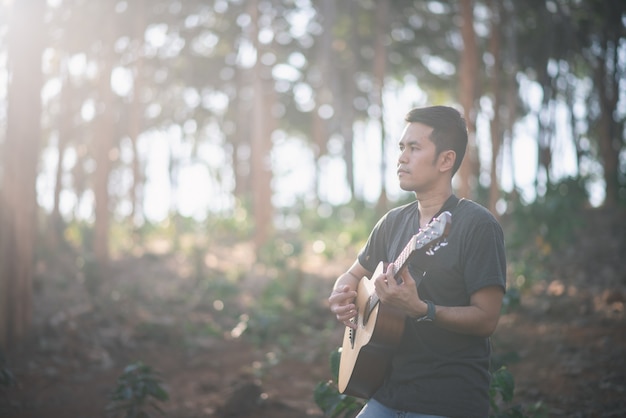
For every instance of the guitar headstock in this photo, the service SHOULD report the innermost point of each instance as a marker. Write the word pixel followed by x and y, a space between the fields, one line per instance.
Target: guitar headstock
pixel 435 234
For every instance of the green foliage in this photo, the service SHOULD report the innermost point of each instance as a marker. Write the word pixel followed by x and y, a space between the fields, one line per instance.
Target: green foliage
pixel 237 225
pixel 278 251
pixel 137 389
pixel 79 234
pixel 333 403
pixel 91 273
pixel 535 231
pixel 502 389
pixel 281 308
pixel 216 287
pixel 344 225
pixel 501 392
pixel 328 398
pixel 552 220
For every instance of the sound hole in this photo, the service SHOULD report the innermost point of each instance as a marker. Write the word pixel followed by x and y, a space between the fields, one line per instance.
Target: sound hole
pixel 368 310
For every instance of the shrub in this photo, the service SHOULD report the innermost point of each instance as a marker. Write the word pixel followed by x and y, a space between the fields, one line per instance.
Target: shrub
pixel 137 390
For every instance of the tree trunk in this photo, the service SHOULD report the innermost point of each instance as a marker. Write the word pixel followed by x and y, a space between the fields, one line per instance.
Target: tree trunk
pixel 380 68
pixel 104 143
pixel 261 169
pixel 65 129
pixel 136 122
pixel 545 136
pixel 18 204
pixel 607 83
pixel 496 129
pixel 319 136
pixel 241 139
pixel 347 111
pixel 509 23
pixel 468 172
pixel 325 89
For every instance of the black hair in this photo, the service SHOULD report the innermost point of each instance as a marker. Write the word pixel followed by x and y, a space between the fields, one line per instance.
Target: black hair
pixel 449 129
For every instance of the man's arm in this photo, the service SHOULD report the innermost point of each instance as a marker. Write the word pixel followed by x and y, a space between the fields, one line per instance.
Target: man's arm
pixel 479 318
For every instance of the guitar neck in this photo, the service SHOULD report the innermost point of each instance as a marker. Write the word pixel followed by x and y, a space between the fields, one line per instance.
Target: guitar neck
pixel 431 236
pixel 403 258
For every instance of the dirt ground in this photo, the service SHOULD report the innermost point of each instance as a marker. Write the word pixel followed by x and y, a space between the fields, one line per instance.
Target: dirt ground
pixel 569 337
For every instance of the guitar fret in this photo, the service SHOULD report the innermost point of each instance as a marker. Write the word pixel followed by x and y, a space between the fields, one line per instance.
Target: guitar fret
pixel 404 255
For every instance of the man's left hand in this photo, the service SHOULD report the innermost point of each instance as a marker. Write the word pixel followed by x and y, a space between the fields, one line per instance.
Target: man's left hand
pixel 402 294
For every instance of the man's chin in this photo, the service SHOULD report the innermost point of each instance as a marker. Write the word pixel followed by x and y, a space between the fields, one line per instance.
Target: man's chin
pixel 405 187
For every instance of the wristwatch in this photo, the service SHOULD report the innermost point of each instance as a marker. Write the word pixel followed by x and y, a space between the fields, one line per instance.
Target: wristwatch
pixel 430 313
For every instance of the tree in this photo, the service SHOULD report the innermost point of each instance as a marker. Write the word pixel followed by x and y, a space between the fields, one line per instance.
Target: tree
pixel 104 142
pixel 468 70
pixel 381 24
pixel 602 32
pixel 262 128
pixel 18 205
pixel 495 123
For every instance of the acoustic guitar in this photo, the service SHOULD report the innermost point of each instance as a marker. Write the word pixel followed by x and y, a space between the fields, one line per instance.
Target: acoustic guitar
pixel 367 349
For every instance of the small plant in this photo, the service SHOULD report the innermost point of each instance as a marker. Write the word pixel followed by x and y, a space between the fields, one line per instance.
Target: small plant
pixel 501 393
pixel 328 398
pixel 137 389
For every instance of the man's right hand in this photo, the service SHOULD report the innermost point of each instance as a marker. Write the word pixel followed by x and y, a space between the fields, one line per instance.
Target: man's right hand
pixel 341 303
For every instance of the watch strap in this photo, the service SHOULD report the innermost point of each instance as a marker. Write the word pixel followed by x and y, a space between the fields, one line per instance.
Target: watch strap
pixel 430 313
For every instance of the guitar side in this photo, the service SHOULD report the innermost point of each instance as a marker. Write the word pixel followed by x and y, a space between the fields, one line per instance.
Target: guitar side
pixel 366 350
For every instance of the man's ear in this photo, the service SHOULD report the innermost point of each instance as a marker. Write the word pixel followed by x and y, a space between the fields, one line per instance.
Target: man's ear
pixel 446 160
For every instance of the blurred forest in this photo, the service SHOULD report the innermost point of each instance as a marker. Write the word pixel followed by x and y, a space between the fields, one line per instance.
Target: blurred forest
pixel 182 181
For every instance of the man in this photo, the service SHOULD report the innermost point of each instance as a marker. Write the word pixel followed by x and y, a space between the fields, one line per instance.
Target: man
pixel 441 366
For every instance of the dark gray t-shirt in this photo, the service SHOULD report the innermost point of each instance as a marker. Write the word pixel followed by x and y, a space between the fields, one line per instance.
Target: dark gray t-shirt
pixel 435 371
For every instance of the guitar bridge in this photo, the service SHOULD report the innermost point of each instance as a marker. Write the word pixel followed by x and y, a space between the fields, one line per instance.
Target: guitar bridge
pixel 352 333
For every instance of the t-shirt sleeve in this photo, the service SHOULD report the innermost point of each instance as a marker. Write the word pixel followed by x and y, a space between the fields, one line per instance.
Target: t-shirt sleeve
pixel 374 250
pixel 485 260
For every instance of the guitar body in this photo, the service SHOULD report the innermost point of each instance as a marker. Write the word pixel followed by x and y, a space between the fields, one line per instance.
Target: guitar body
pixel 366 350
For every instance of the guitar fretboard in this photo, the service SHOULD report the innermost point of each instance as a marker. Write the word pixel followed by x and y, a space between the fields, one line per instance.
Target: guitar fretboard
pixel 431 235
pixel 404 255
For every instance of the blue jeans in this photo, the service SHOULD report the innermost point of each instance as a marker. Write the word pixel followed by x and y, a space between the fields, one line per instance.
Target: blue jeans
pixel 374 409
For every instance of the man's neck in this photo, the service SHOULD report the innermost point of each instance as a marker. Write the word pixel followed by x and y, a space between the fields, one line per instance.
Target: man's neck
pixel 430 204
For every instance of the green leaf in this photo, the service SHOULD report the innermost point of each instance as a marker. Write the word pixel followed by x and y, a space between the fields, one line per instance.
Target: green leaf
pixel 504 383
pixel 137 388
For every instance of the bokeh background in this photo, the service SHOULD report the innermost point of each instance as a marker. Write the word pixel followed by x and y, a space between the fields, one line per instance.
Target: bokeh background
pixel 182 181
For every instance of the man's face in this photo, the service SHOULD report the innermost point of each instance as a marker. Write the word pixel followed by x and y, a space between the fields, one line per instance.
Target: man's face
pixel 417 163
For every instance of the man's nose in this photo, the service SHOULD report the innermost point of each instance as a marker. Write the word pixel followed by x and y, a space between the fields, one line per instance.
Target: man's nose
pixel 402 157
